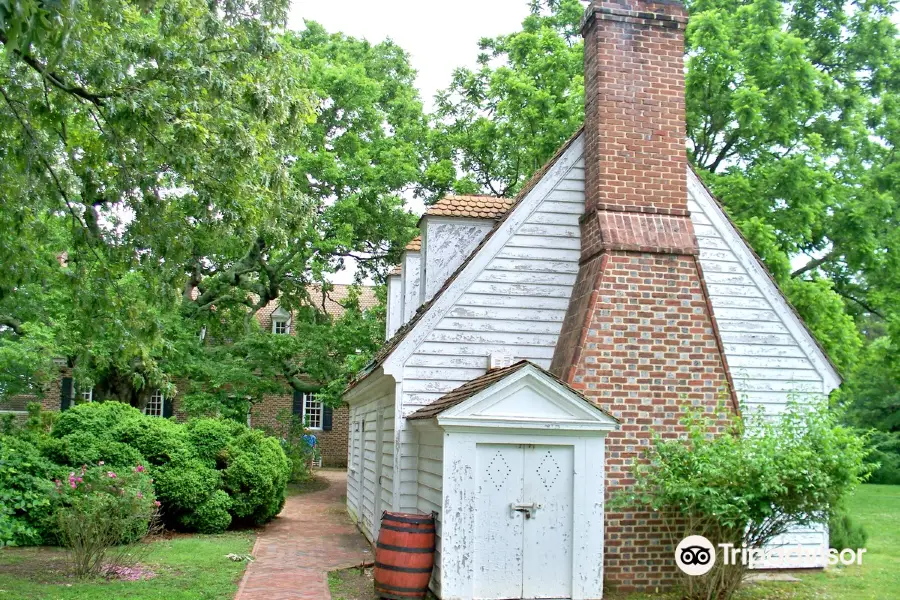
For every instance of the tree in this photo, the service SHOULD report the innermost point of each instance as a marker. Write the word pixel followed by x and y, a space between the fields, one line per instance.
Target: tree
pixel 170 168
pixel 792 119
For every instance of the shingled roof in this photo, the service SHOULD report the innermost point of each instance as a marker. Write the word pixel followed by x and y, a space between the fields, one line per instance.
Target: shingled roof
pixel 401 333
pixel 479 384
pixel 475 207
pixel 415 245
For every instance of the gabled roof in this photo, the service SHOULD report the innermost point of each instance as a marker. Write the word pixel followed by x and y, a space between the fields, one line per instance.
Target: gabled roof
pixel 474 207
pixel 407 328
pixel 479 384
pixel 401 333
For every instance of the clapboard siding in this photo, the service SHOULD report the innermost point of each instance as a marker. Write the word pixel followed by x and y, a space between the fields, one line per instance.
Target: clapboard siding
pixel 429 487
pixel 387 457
pixel 769 364
pixel 371 453
pixel 516 305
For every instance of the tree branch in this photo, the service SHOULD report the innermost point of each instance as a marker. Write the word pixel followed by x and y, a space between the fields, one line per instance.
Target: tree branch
pixel 13 324
pixel 816 263
pixel 861 303
pixel 55 80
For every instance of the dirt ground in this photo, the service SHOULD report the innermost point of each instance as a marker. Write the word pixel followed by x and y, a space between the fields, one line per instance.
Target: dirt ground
pixel 352 584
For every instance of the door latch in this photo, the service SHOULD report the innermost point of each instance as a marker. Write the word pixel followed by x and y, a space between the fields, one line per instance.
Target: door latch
pixel 527 509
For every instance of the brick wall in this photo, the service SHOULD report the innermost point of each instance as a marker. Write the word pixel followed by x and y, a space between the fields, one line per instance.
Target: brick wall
pixel 639 337
pixel 647 346
pixel 332 444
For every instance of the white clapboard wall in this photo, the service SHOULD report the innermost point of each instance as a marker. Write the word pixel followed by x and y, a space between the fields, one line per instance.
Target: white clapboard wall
pixel 772 358
pixel 429 486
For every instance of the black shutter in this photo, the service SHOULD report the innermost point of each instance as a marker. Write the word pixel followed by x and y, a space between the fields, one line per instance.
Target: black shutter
pixel 167 408
pixel 297 406
pixel 327 415
pixel 65 394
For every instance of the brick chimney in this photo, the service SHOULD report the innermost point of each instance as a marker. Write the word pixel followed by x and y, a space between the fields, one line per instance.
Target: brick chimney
pixel 639 337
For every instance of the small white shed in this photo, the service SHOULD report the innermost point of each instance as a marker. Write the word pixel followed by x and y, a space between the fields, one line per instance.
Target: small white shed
pixel 515 461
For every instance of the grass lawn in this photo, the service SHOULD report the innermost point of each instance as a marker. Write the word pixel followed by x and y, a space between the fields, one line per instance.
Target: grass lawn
pixel 877 507
pixel 187 567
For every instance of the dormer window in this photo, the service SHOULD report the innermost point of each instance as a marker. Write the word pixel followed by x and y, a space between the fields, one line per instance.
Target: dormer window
pixel 281 322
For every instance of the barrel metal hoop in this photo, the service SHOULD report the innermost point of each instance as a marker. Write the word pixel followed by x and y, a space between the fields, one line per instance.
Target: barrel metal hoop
pixel 403 549
pixel 417 520
pixel 379 565
pixel 394 588
pixel 406 529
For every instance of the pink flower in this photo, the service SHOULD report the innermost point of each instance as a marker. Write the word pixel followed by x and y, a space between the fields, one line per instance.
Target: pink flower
pixel 57 482
pixel 101 463
pixel 140 495
pixel 111 475
pixel 156 502
pixel 139 469
pixel 79 479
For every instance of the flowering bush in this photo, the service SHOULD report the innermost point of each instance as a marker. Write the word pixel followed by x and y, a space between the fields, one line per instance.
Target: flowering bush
pixel 99 508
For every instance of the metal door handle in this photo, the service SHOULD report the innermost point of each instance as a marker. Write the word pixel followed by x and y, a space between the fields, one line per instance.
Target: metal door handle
pixel 528 509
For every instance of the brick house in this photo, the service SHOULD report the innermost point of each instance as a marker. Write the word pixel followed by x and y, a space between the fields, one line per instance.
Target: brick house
pixel 537 342
pixel 329 425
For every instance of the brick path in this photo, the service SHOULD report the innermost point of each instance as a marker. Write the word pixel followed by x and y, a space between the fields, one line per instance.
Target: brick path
pixel 311 536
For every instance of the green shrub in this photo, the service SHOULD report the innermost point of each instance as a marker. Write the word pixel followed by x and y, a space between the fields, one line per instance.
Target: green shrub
pixel 98 418
pixel 183 484
pixel 208 473
pixel 210 437
pixel 212 516
pixel 256 477
pixel 84 448
pixel 886 454
pixel 25 487
pixel 746 486
pixel 158 440
pixel 844 533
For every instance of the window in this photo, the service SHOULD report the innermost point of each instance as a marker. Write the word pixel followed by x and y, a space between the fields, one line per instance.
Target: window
pixel 280 326
pixel 312 411
pixel 154 406
pixel 86 395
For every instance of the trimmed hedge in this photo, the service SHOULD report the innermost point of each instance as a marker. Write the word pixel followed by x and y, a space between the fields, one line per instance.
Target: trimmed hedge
pixel 26 485
pixel 208 473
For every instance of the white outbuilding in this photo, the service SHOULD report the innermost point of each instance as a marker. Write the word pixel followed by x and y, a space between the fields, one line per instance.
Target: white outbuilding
pixel 514 459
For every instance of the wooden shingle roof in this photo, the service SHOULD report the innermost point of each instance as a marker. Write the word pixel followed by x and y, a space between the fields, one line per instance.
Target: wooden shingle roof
pixel 415 245
pixel 474 207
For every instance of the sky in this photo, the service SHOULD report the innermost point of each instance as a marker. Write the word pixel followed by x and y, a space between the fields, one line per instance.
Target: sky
pixel 439 37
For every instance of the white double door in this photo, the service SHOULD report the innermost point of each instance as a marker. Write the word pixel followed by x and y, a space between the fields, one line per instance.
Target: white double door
pixel 523 521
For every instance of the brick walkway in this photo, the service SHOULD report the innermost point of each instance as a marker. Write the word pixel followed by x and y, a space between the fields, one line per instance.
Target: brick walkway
pixel 311 536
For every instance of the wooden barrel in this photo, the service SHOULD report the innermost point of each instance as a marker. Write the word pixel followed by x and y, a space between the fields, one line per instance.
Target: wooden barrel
pixel 404 555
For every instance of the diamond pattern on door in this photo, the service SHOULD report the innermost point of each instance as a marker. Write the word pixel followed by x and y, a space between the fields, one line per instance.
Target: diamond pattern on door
pixel 548 470
pixel 498 470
